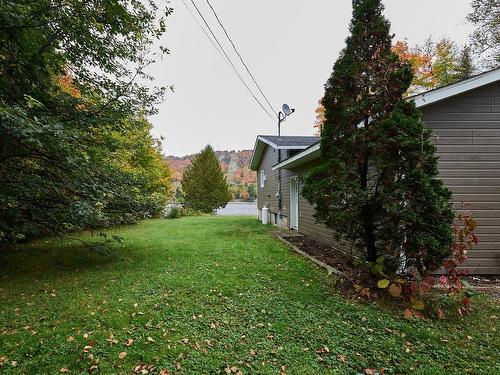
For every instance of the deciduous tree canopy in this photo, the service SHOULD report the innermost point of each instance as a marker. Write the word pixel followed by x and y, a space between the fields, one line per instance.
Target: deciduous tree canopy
pixel 75 148
pixel 485 16
pixel 435 63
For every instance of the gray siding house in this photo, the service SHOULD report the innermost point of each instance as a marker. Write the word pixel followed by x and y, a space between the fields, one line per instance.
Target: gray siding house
pixel 465 120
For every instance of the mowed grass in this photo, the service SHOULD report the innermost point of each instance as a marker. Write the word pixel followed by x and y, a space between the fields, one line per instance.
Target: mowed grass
pixel 204 295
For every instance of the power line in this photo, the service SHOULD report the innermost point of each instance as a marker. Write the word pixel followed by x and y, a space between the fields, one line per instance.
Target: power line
pixel 204 31
pixel 230 62
pixel 239 55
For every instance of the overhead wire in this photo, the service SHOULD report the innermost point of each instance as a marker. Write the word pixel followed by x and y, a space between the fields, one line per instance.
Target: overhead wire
pixel 204 31
pixel 241 58
pixel 230 61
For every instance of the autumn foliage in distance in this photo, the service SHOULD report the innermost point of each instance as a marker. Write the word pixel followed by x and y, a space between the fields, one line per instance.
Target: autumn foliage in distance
pixel 241 180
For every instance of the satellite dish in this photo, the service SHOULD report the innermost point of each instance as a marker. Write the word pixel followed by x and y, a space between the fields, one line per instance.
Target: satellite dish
pixel 286 109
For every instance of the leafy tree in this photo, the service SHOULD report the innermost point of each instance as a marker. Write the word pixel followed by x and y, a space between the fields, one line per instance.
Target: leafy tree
pixel 485 16
pixel 435 63
pixel 320 118
pixel 72 97
pixel 445 64
pixel 378 185
pixel 204 183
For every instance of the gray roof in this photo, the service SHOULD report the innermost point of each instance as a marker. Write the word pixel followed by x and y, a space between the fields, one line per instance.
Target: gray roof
pixel 290 141
pixel 280 143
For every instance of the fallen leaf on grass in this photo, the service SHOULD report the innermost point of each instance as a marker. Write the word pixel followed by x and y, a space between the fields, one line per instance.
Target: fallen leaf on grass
pixel 13 363
pixel 87 348
pixel 129 342
pixel 233 370
pixel 64 370
pixel 408 314
pixel 122 355
pixel 383 283
pixel 324 349
pixel 185 341
pixel 143 369
pixel 395 290
pixel 70 339
pixel 111 339
pixel 150 339
pixel 417 304
pixel 164 372
pixel 94 368
pixel 342 358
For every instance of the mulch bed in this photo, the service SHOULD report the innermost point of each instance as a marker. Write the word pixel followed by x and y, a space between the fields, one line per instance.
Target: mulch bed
pixel 325 253
pixel 343 263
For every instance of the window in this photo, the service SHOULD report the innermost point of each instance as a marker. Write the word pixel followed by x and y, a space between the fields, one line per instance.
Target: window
pixel 262 178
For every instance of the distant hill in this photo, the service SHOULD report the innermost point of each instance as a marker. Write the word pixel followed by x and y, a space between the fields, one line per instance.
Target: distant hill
pixel 235 166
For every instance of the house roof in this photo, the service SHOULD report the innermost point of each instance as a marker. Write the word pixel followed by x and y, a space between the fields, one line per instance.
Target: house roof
pixel 279 143
pixel 311 153
pixel 421 100
pixel 445 92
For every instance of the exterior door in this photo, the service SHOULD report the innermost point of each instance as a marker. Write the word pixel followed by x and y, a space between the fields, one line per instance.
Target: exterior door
pixel 294 203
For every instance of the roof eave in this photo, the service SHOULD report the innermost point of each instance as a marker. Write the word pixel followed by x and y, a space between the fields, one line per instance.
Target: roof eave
pixel 258 150
pixel 311 153
pixel 443 93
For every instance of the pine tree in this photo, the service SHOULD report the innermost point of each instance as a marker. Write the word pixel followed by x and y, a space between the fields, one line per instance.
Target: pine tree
pixel 465 68
pixel 204 184
pixel 378 183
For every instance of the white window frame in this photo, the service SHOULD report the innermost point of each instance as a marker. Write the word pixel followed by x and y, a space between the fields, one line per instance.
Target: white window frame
pixel 262 178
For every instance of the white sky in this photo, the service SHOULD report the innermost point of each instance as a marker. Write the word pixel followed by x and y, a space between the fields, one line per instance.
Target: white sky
pixel 290 47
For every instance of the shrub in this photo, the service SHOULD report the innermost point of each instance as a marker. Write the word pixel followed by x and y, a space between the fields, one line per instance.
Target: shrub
pixel 433 295
pixel 174 213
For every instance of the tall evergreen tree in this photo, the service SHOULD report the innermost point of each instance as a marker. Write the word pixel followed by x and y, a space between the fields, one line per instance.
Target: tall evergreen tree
pixel 465 68
pixel 378 183
pixel 204 184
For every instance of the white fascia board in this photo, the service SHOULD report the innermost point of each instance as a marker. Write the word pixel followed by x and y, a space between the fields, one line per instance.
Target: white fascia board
pixel 433 96
pixel 252 160
pixel 275 146
pixel 262 139
pixel 258 150
pixel 300 158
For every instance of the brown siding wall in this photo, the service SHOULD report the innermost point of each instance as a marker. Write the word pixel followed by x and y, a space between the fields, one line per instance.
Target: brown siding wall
pixel 307 222
pixel 467 130
pixel 267 194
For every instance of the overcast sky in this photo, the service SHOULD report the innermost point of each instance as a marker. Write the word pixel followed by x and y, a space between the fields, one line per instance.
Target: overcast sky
pixel 290 47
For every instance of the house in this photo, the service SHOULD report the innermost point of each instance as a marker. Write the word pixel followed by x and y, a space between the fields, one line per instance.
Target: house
pixel 465 121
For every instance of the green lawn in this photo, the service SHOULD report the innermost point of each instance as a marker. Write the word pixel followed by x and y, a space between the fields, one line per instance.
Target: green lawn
pixel 200 295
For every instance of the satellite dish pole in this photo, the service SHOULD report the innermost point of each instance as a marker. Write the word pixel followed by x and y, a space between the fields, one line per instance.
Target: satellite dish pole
pixel 283 114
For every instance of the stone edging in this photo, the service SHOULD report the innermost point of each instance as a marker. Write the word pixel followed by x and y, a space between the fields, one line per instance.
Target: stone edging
pixel 318 262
